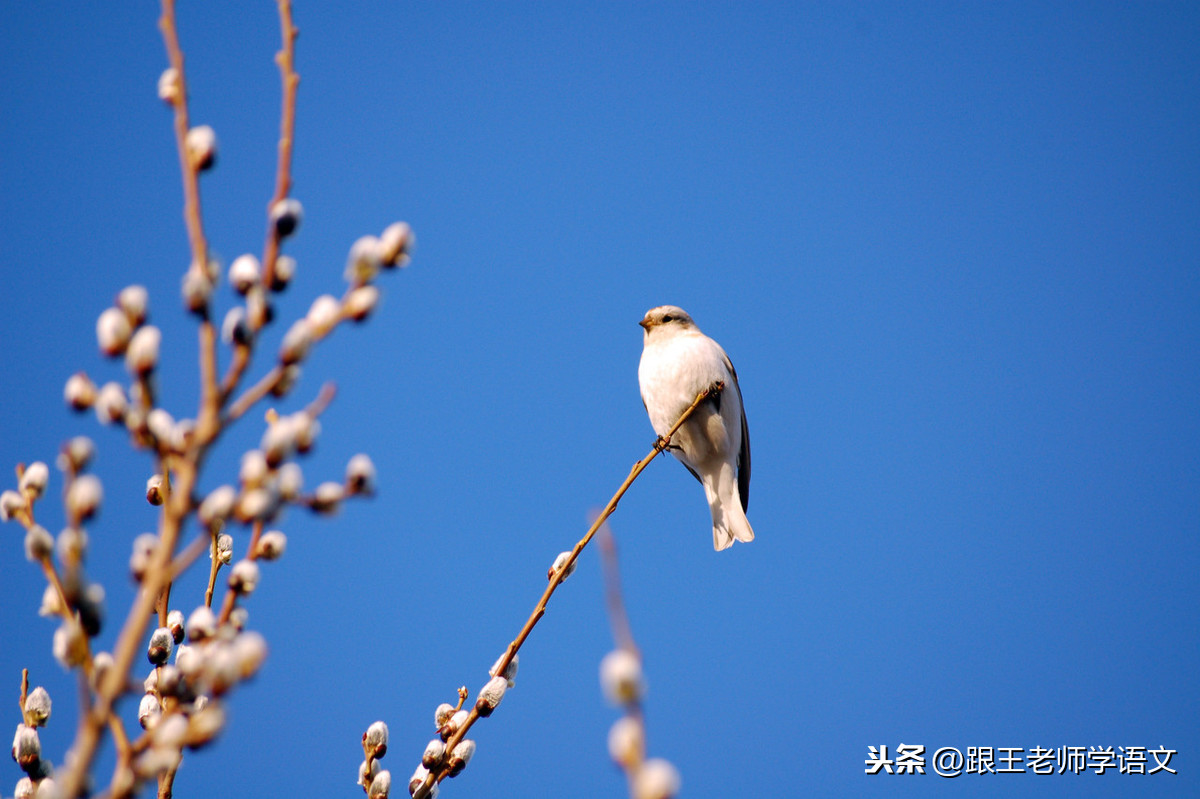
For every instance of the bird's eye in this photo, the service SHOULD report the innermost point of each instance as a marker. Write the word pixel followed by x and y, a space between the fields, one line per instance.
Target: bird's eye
pixel 668 318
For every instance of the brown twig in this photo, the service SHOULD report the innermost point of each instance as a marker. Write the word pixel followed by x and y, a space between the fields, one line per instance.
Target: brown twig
pixel 286 59
pixel 559 575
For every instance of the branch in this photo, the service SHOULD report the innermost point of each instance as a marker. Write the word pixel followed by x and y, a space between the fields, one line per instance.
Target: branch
pixel 558 575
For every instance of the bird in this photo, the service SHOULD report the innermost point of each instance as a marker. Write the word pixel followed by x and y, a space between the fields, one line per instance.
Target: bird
pixel 678 362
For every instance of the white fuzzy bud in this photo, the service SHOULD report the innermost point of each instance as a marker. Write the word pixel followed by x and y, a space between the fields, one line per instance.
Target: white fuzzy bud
pixel 656 779
pixel 435 752
pixel 296 342
pixel 249 652
pixel 442 715
pixel 559 562
pixel 168 85
pixel 149 712
pixel 287 381
pixel 24 789
pixel 375 740
pixel 201 625
pixel 11 503
pixel 510 672
pixel 257 504
pixel 39 544
pixel 285 270
pixel 71 544
pixel 204 724
pixel 154 494
pixel 360 475
pixel 34 479
pixel 460 756
pixel 361 302
pixel 201 144
pixel 238 618
pixel 113 332
pixel 626 742
pixel 381 786
pixel 364 261
pixel 244 577
pixel 76 454
pixel 175 624
pixel 37 707
pixel 366 772
pixel 70 644
pixel 160 424
pixel 161 644
pixel 490 696
pixel 271 545
pixel 324 314
pixel 196 290
pixel 396 243
pixel 286 216
pixel 141 357
pixel 224 549
pixel 133 302
pixel 244 273
pixel 291 481
pixel 327 498
pixel 418 779
pixel 27 748
pixel 111 403
pixel 84 496
pixel 51 606
pixel 254 469
pixel 217 506
pixel 143 551
pixel 80 391
pixel 171 731
pixel 457 719
pixel 621 677
pixel 235 329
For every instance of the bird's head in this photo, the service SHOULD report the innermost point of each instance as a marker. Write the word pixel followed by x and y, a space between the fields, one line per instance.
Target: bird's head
pixel 666 318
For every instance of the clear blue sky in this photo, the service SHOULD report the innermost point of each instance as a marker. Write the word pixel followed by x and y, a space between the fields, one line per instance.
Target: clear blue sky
pixel 953 250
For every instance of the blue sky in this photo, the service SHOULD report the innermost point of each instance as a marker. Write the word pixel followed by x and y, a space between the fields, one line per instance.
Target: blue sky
pixel 952 249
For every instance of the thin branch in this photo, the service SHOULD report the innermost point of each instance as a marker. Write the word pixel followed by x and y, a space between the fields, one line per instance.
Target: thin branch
pixel 559 575
pixel 622 631
pixel 286 59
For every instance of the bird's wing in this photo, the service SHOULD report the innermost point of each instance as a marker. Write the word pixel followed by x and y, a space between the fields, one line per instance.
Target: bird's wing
pixel 744 453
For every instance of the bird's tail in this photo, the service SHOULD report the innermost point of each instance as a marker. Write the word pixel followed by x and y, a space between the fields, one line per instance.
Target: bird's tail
pixel 729 517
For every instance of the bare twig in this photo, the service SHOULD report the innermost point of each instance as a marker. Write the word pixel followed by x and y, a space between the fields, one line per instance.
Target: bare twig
pixel 559 575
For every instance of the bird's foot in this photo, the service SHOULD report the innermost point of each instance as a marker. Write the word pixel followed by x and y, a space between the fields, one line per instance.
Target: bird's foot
pixel 661 444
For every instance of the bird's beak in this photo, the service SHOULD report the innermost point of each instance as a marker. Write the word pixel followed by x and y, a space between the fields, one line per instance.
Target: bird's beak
pixel 645 323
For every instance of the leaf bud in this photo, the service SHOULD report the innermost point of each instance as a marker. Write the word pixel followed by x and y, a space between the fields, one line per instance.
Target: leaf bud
pixel 33 479
pixel 510 672
pixel 196 290
pixel 201 625
pixel 285 270
pixel 175 624
pixel 490 696
pixel 169 89
pixel 70 644
pixel 76 454
pixel 626 742
pixel 27 749
pixel 442 714
pixel 559 562
pixel 381 785
pixel 327 498
pixel 234 329
pixel 217 506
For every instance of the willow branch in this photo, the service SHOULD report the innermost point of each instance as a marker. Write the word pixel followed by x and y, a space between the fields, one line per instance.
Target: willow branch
pixel 286 59
pixel 557 577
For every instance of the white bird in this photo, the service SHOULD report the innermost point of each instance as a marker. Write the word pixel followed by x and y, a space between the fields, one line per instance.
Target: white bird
pixel 678 362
